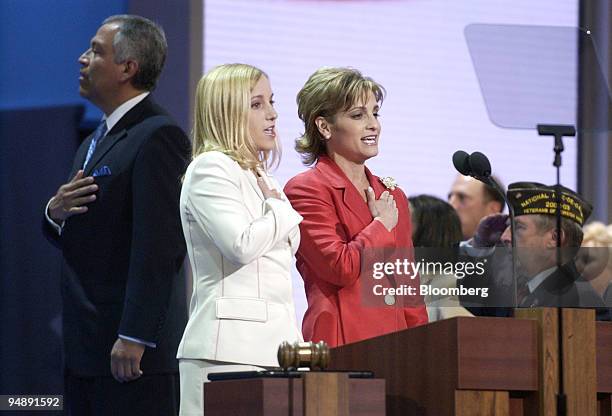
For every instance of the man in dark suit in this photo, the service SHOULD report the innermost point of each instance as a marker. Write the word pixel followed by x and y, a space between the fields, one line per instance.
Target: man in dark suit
pixel 118 226
pixel 538 281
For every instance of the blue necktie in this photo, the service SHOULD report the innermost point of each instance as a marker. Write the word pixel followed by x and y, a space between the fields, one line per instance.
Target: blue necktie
pixel 98 135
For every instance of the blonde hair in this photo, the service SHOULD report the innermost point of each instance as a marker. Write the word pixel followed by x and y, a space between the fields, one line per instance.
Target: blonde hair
pixel 221 119
pixel 326 93
pixel 598 234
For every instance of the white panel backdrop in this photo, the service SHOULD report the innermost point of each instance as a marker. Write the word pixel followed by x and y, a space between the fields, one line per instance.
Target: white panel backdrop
pixel 417 50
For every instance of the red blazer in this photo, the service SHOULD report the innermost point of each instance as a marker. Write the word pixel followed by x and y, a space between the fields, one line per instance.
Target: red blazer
pixel 337 227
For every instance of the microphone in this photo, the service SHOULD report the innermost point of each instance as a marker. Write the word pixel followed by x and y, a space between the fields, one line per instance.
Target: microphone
pixel 477 165
pixel 480 166
pixel 461 160
pixel 481 169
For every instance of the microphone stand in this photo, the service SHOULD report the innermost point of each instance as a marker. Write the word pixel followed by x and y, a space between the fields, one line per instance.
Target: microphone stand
pixel 480 168
pixel 477 165
pixel 558 131
pixel 499 189
pixel 492 182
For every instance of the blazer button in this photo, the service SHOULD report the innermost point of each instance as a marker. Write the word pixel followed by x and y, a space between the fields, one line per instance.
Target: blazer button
pixel 390 300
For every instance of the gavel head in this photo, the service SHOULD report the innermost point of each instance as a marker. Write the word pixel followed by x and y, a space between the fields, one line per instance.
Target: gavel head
pixel 303 354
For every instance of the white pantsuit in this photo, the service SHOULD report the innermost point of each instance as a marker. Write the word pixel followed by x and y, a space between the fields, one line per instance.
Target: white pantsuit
pixel 241 249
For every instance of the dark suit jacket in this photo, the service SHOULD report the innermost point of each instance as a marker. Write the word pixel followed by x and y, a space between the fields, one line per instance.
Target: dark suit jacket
pixel 121 258
pixel 563 288
pixel 566 288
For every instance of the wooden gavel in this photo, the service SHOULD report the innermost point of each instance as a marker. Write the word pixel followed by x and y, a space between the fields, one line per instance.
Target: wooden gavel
pixel 303 354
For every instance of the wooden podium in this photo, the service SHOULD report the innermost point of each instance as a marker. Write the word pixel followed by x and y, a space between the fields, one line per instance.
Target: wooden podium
pixel 604 368
pixel 492 366
pixel 461 366
pixel 314 394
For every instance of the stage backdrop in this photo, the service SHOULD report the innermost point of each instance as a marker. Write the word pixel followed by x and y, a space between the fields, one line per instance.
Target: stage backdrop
pixel 419 51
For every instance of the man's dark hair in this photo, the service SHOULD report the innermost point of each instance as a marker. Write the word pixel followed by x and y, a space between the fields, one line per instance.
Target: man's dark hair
pixel 491 194
pixel 143 41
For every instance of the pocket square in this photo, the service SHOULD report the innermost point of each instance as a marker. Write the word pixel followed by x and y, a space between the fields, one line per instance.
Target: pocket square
pixel 101 171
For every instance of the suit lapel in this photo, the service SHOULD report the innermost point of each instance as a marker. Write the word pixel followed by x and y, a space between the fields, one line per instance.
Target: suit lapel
pixel 559 288
pixel 255 210
pixel 103 148
pixel 356 204
pixel 350 196
pixel 252 179
pixel 379 188
pixel 79 158
pixel 138 113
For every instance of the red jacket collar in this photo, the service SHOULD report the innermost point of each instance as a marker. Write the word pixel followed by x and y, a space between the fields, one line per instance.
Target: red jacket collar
pixel 338 179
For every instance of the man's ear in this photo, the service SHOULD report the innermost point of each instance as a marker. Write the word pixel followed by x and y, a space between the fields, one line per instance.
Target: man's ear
pixel 552 241
pixel 324 127
pixel 130 68
pixel 494 207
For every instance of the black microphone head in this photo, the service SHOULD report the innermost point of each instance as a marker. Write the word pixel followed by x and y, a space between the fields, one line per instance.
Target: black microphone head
pixel 480 165
pixel 461 160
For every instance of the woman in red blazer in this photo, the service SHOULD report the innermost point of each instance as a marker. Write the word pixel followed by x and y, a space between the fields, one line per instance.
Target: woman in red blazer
pixel 348 213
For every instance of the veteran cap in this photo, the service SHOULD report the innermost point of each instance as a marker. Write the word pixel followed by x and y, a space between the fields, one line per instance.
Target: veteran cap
pixel 533 198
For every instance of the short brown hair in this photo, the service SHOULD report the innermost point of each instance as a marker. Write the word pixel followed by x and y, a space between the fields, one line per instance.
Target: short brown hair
pixel 492 194
pixel 326 93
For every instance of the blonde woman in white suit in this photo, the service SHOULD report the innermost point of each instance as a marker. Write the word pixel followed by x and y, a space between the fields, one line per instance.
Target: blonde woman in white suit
pixel 241 234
